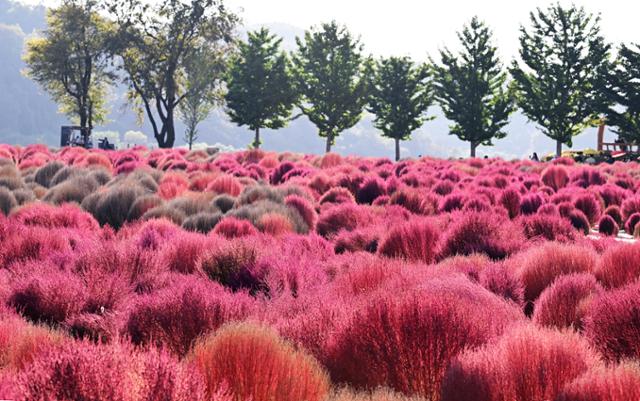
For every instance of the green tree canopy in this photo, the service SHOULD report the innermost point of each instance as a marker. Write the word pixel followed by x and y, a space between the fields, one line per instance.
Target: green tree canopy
pixel 70 60
pixel 561 81
pixel 330 73
pixel 471 88
pixel 400 94
pixel 261 92
pixel 155 42
pixel 203 88
pixel 624 94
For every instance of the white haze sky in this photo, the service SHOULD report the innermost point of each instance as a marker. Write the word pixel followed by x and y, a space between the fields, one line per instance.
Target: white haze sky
pixel 418 28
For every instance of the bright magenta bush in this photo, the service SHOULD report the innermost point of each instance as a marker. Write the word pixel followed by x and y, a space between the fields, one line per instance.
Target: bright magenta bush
pixel 415 241
pixel 564 303
pixel 525 364
pixel 619 265
pixel 486 233
pixel 616 383
pixel 405 340
pixel 613 323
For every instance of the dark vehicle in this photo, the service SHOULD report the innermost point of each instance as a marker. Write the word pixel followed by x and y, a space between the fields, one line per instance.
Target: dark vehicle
pixel 81 137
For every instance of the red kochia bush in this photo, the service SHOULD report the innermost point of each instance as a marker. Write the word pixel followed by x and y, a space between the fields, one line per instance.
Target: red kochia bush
pixel 415 241
pixel 510 199
pixel 619 265
pixel 342 217
pixel 225 184
pixel 231 227
pixel 579 221
pixel 630 206
pixel 481 233
pixel 47 294
pixel 304 208
pixel 178 315
pixel 64 216
pixel 547 227
pixel 564 303
pixel 590 206
pixel 555 177
pixel 616 383
pixel 540 266
pixel 21 343
pixel 83 371
pixel 405 340
pixel 631 223
pixel 258 365
pixel 613 323
pixel 370 190
pixel 525 364
pixel 608 226
pixel 615 213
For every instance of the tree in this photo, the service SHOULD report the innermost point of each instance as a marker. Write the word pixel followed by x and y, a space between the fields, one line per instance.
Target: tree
pixel 331 76
pixel 260 93
pixel 71 61
pixel 156 40
pixel 471 88
pixel 624 94
pixel 561 84
pixel 400 94
pixel 202 72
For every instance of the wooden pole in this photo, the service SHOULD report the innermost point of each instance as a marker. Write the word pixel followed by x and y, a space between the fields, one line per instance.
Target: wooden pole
pixel 601 135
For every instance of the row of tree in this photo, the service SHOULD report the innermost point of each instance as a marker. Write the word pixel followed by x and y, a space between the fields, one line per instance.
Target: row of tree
pixel 182 59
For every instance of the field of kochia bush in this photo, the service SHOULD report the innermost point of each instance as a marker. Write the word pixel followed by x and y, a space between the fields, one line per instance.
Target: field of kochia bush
pixel 175 275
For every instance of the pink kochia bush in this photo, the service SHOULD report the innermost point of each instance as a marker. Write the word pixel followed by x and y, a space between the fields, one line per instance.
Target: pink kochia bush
pixel 525 364
pixel 487 233
pixel 616 383
pixel 415 241
pixel 406 339
pixel 613 323
pixel 619 265
pixel 178 315
pixel 564 303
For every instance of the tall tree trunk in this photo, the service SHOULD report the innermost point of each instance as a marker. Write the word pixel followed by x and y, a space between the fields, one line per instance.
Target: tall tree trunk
pixel 170 138
pixel 329 140
pixel 397 149
pixel 256 141
pixel 473 149
pixel 558 148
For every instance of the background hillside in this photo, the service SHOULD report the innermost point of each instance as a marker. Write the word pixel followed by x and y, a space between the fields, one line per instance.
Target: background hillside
pixel 27 115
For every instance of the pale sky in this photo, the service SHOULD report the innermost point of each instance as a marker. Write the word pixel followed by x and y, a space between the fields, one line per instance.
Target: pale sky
pixel 418 28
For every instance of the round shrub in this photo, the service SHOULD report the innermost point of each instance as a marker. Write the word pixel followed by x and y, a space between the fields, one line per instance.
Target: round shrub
pixel 414 241
pixel 225 184
pixel 579 221
pixel 21 343
pixel 486 233
pixel 631 223
pixel 255 363
pixel 510 198
pixel 619 265
pixel 530 203
pixel 590 206
pixel 201 222
pixel 502 282
pixel 370 189
pixel 231 227
pixel 224 202
pixel 615 383
pixel 555 177
pixel 608 226
pixel 8 201
pixel 630 206
pixel 45 174
pixel 538 267
pixel 612 323
pixel 346 216
pixel 337 195
pixel 563 304
pixel 175 317
pixel 525 364
pixel 406 340
pixel 547 227
pixel 615 213
pixel 304 208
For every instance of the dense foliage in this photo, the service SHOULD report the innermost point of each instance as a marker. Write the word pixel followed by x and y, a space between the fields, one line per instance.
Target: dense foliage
pixel 126 275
